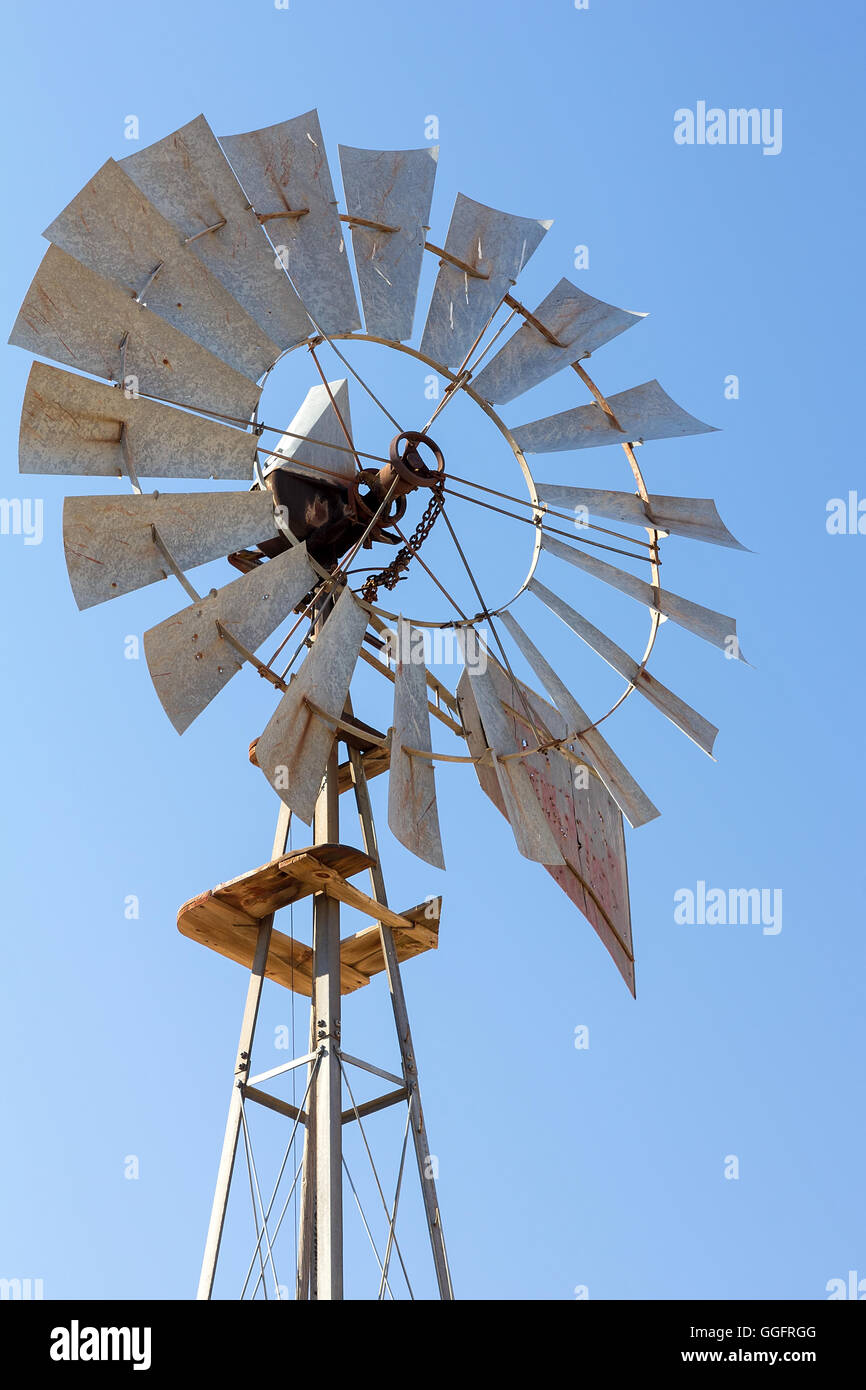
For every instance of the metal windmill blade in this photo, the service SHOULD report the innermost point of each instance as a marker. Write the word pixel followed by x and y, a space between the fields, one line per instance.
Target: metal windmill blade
pixel 641 413
pixel 484 253
pixel 71 424
pixel 695 517
pixel 567 326
pixel 293 751
pixel 284 173
pixel 587 823
pixel 388 197
pixel 412 811
pixel 192 656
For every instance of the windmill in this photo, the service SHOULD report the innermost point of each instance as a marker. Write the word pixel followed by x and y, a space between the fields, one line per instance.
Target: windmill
pixel 173 283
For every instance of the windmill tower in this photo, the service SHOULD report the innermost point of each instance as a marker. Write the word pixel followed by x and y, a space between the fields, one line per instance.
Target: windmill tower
pixel 180 275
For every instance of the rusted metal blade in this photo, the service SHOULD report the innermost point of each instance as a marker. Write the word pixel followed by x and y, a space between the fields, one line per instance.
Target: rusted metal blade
pixel 188 178
pixel 496 246
pixel 631 799
pixel 70 424
pixel 643 412
pixel 412 812
pixel 393 188
pixel 532 834
pixel 318 420
pixel 75 316
pixel 692 724
pixel 111 227
pixel 695 517
pixel 111 549
pixel 189 658
pixel 579 323
pixel 293 751
pixel 284 172
pixel 714 627
pixel 586 821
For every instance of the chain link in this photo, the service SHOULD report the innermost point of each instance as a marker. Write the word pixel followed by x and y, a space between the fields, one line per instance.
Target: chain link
pixel 390 577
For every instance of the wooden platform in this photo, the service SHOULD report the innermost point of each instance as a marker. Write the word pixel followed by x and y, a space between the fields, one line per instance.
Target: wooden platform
pixel 227 917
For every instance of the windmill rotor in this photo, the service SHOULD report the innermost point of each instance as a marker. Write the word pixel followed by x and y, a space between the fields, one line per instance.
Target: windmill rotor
pixel 174 283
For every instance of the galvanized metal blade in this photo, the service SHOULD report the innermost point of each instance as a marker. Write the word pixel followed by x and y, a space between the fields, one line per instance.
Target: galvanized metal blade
pixel 188 178
pixel 532 833
pixel 111 227
pixel 190 659
pixel 695 517
pixel 643 412
pixel 284 172
pixel 318 419
pixel 70 424
pixel 714 627
pixel 698 729
pixel 631 799
pixel 580 324
pixel 412 811
pixel 497 246
pixel 75 316
pixel 294 749
pixel 587 823
pixel 110 545
pixel 393 188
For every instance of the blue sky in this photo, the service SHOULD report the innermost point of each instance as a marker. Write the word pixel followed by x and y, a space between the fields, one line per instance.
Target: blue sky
pixel 559 1167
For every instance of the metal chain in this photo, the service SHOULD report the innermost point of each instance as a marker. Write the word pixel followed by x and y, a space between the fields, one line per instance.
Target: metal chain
pixel 390 577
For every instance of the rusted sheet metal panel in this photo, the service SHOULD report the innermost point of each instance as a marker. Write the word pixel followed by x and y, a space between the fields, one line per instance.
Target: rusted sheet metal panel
pixel 694 517
pixel 111 227
pixel 190 661
pixel 714 627
pixel 284 168
pixel 77 317
pixel 412 812
pixel 532 834
pixel 395 188
pixel 582 324
pixel 70 424
pixel 692 724
pixel 293 751
pixel 496 244
pixel 188 178
pixel 585 820
pixel 644 412
pixel 631 798
pixel 317 419
pixel 109 542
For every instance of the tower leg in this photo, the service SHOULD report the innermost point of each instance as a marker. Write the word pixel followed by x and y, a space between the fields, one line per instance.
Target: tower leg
pixel 305 1287
pixel 245 1047
pixel 404 1036
pixel 327 1087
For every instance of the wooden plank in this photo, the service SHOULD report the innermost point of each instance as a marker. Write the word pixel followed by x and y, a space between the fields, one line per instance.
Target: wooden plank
pixel 323 879
pixel 290 962
pixel 369 1107
pixel 252 895
pixel 282 1107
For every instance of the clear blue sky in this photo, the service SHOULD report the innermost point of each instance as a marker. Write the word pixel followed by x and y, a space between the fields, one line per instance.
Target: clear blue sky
pixel 558 1167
